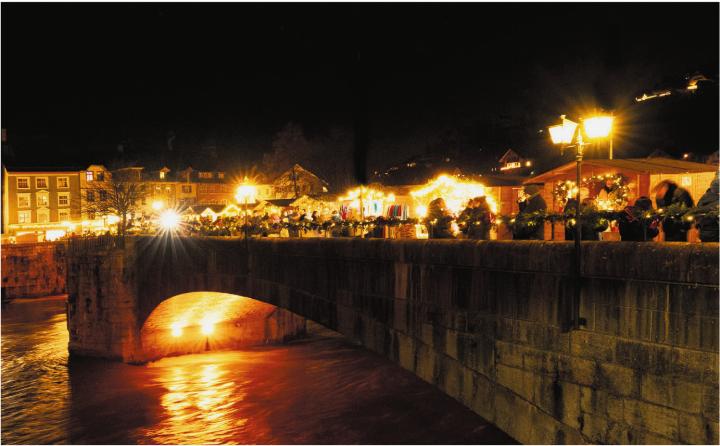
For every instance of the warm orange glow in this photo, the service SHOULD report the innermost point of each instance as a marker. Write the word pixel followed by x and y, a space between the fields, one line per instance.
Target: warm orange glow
pixel 373 201
pixel 158 205
pixel 598 126
pixel 421 211
pixel 456 193
pixel 207 327
pixel 246 192
pixel 169 220
pixel 176 328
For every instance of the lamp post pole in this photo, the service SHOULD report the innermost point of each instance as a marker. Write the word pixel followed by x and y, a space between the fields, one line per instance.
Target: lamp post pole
pixel 575 306
pixel 611 142
pixel 246 217
pixel 566 134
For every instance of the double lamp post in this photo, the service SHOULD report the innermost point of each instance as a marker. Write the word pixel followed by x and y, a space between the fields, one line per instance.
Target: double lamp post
pixel 571 134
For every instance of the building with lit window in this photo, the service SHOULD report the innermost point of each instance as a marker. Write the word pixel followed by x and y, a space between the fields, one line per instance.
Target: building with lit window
pixel 40 203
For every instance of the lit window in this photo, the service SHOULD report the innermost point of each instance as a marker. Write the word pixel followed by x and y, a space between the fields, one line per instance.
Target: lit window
pixel 63 182
pixel 41 183
pixel 23 200
pixel 42 200
pixel 24 217
pixel 23 183
pixel 63 199
pixel 162 175
pixel 187 189
pixel 43 215
pixel 205 175
pixel 64 214
pixel 221 174
pixel 89 176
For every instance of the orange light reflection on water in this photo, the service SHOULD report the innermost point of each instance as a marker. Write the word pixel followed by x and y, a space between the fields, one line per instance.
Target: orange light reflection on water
pixel 201 402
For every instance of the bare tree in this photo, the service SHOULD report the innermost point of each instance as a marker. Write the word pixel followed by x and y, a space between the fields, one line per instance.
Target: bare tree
pixel 118 195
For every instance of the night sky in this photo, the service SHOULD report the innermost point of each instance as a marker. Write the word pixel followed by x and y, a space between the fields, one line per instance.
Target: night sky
pixel 393 80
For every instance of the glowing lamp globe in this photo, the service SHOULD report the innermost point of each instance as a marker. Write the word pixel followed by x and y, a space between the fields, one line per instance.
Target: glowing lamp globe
pixel 598 127
pixel 563 133
pixel 246 193
pixel 169 220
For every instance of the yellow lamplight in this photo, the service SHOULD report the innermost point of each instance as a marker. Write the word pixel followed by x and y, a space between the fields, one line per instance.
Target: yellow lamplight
pixel 207 324
pixel 54 234
pixel 372 201
pixel 598 127
pixel 246 192
pixel 169 220
pixel 158 205
pixel 454 192
pixel 563 133
pixel 176 329
pixel 113 219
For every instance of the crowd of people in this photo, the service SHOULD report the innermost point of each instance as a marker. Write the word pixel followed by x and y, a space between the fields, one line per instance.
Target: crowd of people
pixel 674 214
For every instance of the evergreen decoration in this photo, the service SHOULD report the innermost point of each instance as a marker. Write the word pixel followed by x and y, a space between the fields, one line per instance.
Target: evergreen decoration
pixel 563 190
pixel 235 226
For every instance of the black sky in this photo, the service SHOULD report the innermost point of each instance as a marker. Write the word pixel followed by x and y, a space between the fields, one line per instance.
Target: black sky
pixel 79 79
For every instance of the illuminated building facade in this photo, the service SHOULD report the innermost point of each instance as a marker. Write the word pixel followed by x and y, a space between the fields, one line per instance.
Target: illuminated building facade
pixel 39 203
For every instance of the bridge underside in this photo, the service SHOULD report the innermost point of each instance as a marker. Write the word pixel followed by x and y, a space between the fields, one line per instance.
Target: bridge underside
pixel 200 321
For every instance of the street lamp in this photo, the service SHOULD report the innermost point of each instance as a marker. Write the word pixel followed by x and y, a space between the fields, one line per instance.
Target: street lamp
pixel 246 193
pixel 568 134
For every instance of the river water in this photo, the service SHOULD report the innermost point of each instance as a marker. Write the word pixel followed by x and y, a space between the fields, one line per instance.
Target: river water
pixel 321 390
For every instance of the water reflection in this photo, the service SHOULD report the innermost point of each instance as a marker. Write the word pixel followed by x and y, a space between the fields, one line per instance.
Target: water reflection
pixel 318 391
pixel 34 372
pixel 201 403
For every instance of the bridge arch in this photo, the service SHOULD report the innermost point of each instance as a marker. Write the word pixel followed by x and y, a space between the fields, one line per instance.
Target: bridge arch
pixel 199 321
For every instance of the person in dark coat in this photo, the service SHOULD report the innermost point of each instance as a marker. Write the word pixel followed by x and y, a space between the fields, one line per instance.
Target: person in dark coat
pixel 476 219
pixel 634 225
pixel 527 227
pixel 668 193
pixel 708 224
pixel 439 219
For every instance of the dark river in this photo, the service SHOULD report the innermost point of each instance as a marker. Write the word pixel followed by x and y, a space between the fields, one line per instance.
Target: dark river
pixel 320 390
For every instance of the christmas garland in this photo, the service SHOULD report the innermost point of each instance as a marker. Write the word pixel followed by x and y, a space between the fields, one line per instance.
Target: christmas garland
pixel 522 221
pixel 563 190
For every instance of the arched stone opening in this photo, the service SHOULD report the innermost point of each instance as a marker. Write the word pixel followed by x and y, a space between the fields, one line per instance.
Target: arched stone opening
pixel 201 321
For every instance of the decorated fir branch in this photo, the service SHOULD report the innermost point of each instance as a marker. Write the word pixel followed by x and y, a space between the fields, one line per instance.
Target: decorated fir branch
pixel 595 217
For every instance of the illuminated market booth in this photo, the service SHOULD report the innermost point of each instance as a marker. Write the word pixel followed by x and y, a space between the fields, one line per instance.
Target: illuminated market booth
pixel 613 184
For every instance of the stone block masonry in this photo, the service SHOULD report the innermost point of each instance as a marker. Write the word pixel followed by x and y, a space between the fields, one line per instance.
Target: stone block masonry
pixel 479 320
pixel 33 270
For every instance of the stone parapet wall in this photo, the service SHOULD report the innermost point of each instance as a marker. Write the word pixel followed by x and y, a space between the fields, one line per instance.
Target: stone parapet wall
pixel 482 321
pixel 33 269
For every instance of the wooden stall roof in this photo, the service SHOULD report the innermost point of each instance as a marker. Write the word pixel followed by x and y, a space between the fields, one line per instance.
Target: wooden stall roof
pixel 639 165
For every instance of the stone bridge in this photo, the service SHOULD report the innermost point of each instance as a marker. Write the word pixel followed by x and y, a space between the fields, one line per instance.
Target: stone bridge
pixel 482 321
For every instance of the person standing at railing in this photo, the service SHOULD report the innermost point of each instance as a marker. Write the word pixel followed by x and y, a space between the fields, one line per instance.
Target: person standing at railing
pixel 439 219
pixel 475 220
pixel 529 227
pixel 669 194
pixel 635 224
pixel 708 204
